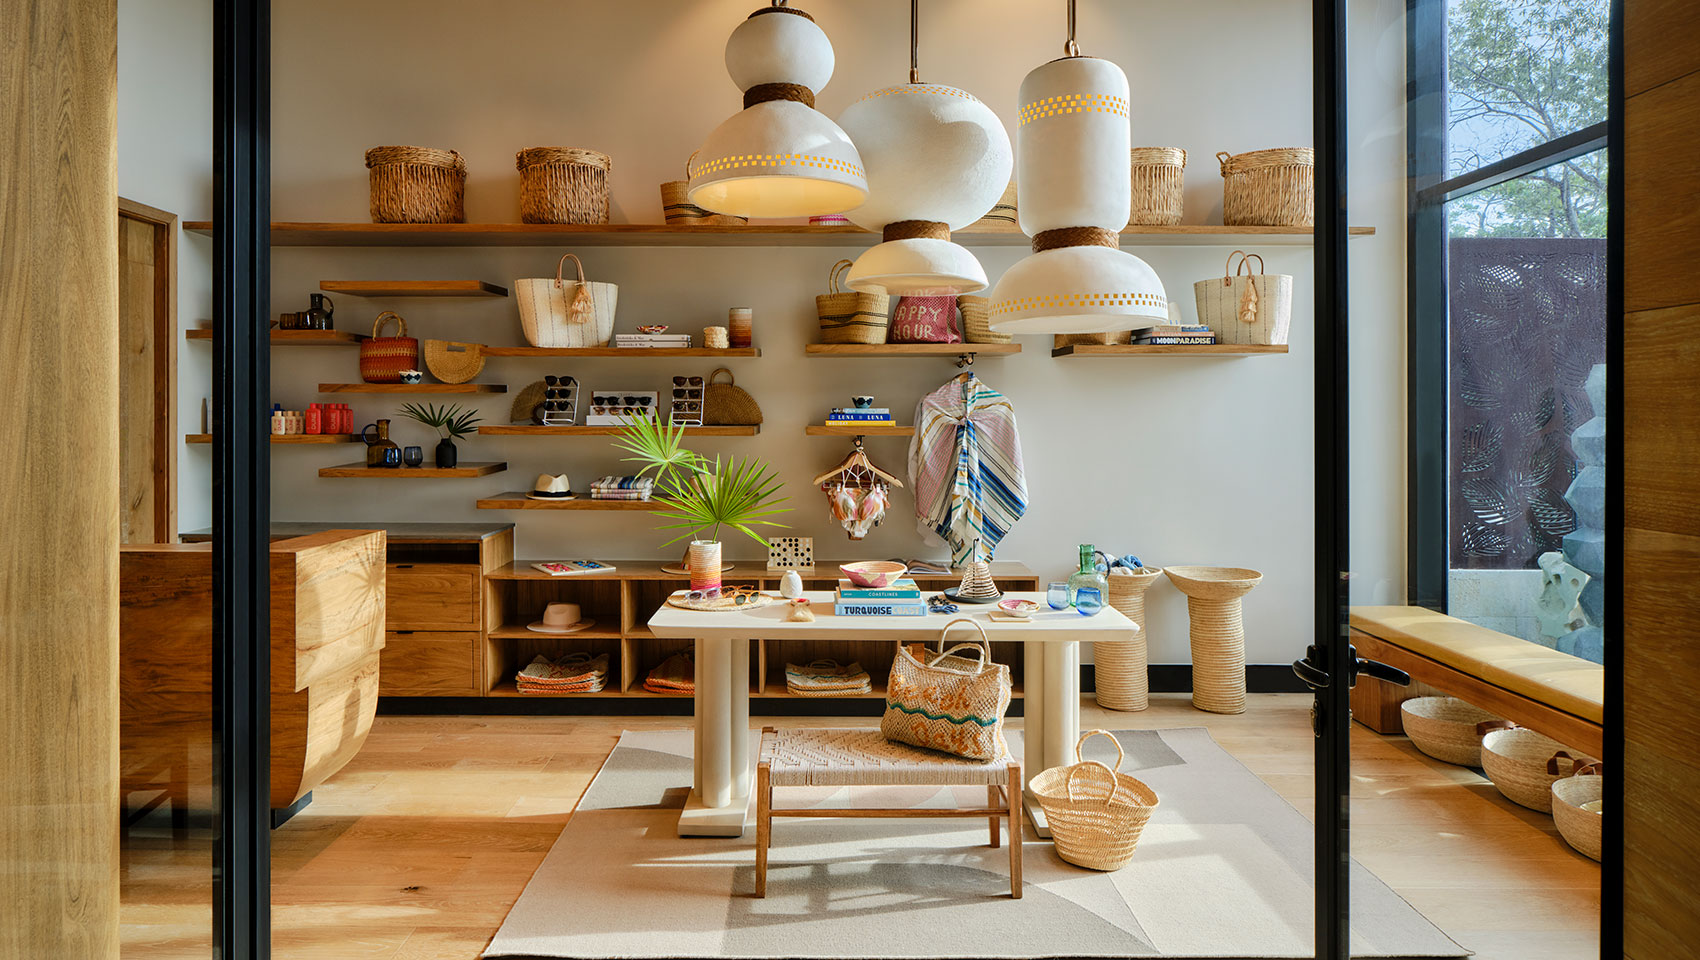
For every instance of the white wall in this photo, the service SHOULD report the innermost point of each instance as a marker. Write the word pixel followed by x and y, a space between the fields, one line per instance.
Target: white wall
pixel 1179 460
pixel 165 160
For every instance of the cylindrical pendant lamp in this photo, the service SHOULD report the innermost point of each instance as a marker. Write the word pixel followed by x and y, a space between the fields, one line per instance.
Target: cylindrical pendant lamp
pixel 779 157
pixel 1074 181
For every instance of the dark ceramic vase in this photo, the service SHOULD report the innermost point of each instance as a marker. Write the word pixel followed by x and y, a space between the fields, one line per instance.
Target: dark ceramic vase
pixel 447 455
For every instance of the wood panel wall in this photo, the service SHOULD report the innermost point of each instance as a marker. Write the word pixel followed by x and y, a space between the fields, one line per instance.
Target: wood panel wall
pixel 1661 435
pixel 58 479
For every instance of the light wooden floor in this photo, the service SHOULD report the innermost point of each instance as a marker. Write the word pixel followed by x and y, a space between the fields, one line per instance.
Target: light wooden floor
pixel 419 847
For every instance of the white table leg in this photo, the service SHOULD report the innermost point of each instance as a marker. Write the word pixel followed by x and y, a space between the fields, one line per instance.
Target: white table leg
pixel 1052 714
pixel 716 695
pixel 1033 710
pixel 739 680
pixel 720 796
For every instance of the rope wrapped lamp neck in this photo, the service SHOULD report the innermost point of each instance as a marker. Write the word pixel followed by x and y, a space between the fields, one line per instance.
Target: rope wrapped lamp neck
pixel 779 9
pixel 765 92
pixel 915 230
pixel 1076 237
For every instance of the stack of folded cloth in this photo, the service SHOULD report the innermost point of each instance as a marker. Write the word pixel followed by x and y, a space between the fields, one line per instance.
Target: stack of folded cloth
pixel 825 678
pixel 573 673
pixel 622 488
pixel 676 675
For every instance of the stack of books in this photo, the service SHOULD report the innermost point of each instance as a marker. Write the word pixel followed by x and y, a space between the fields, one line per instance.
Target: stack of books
pixel 901 599
pixel 1172 333
pixel 865 416
pixel 643 340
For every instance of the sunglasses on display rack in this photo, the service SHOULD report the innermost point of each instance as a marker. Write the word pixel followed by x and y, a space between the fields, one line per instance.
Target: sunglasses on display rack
pixel 613 400
pixel 687 393
pixel 560 381
pixel 687 381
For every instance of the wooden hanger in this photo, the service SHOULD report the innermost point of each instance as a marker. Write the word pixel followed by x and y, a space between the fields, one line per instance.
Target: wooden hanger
pixel 857 470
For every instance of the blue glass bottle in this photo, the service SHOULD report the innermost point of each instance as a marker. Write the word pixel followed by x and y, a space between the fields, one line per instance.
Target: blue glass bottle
pixel 1088 588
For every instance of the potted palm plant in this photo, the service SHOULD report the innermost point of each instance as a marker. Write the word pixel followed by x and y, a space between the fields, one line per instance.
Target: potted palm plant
pixel 700 495
pixel 451 421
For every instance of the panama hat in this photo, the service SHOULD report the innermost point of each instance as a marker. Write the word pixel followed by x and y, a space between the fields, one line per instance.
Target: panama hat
pixel 551 487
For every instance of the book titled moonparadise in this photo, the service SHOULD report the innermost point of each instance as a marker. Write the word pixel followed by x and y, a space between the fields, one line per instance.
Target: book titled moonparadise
pixel 879 609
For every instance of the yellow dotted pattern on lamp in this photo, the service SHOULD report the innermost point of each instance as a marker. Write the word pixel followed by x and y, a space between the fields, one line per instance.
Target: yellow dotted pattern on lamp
pixel 1080 300
pixel 932 88
pixel 1071 103
pixel 776 160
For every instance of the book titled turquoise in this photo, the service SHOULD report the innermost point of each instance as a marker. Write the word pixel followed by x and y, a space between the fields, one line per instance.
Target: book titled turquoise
pixel 898 590
pixel 879 610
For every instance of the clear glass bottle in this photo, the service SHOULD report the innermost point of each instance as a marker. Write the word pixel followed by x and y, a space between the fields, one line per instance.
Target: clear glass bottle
pixel 1088 578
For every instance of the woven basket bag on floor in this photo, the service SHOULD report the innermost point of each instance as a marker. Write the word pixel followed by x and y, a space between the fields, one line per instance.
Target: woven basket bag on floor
pixel 946 704
pixel 452 361
pixel 1096 813
pixel 1120 668
pixel 1269 188
pixel 556 312
pixel 417 185
pixel 382 359
pixel 1158 191
pixel 1445 728
pixel 563 185
pixel 1580 828
pixel 851 316
pixel 1524 764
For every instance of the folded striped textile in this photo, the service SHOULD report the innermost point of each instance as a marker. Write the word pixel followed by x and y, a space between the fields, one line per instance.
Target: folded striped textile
pixel 622 488
pixel 965 466
pixel 619 494
pixel 826 678
pixel 676 675
pixel 572 673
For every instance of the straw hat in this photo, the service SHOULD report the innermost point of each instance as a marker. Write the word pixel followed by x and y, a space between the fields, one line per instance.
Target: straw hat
pixel 561 618
pixel 551 487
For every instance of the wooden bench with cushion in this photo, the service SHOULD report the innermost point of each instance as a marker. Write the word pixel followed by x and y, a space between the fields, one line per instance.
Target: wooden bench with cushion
pixel 847 758
pixel 1534 686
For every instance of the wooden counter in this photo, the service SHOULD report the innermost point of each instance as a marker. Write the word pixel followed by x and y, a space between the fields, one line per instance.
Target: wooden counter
pixel 327 629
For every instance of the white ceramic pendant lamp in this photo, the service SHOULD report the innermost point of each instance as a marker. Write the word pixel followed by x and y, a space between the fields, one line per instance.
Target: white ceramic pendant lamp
pixel 779 157
pixel 1073 188
pixel 937 160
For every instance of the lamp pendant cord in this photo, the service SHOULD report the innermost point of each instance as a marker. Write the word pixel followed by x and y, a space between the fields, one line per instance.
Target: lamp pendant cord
pixel 914 41
pixel 1070 48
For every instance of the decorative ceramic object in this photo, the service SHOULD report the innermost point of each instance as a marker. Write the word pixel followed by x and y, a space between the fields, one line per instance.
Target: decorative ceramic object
pixel 413 456
pixel 1218 634
pixel 447 455
pixel 786 552
pixel 791 585
pixel 411 376
pixel 861 400
pixel 740 326
pixel 1121 668
pixel 705 564
pixel 1087 578
pixel 873 573
pixel 1019 609
pixel 716 338
pixel 800 611
pixel 977 584
pixel 652 328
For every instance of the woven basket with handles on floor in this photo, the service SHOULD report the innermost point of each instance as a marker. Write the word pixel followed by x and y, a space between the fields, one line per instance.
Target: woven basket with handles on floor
pixel 1445 728
pixel 1524 764
pixel 1096 813
pixel 417 185
pixel 563 185
pixel 1580 828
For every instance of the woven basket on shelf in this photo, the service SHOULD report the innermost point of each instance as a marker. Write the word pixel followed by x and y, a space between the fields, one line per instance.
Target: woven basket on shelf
pixel 1096 814
pixel 1269 188
pixel 1120 667
pixel 1445 728
pixel 417 185
pixel 677 208
pixel 562 185
pixel 382 359
pixel 452 361
pixel 851 316
pixel 1580 828
pixel 1157 185
pixel 1523 765
pixel 1001 218
pixel 977 321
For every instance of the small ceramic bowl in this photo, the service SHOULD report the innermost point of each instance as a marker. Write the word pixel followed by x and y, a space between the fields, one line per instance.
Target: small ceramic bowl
pixel 862 401
pixel 411 376
pixel 874 573
pixel 1018 608
pixel 653 328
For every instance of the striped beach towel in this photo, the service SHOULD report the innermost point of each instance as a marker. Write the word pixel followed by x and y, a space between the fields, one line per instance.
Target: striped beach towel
pixel 965 466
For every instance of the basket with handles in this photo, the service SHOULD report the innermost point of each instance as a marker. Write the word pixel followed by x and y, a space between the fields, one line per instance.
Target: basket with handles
pixel 851 316
pixel 1244 307
pixel 949 703
pixel 557 312
pixel 1096 813
pixel 382 359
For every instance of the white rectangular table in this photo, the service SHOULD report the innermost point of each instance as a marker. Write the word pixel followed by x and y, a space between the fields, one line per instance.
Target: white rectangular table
pixel 722 772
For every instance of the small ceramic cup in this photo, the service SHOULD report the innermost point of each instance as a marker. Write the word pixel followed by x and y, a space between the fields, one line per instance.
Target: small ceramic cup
pixel 411 376
pixel 862 401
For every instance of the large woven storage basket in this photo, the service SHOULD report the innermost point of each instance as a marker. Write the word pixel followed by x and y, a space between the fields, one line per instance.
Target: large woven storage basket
pixel 1445 728
pixel 1096 813
pixel 1269 188
pixel 556 312
pixel 563 185
pixel 977 321
pixel 1580 828
pixel 417 185
pixel 1524 764
pixel 1158 190
pixel 851 316
pixel 1120 668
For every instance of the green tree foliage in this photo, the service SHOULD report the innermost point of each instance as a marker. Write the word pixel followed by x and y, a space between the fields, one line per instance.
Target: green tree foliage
pixel 1520 73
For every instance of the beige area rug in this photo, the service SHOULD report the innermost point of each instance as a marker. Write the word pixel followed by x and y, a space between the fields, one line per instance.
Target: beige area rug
pixel 1223 870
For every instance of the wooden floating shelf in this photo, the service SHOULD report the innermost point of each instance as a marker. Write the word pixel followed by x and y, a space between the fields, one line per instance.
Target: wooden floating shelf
pixel 858 430
pixel 911 349
pixel 291 234
pixel 1167 350
pixel 361 471
pixel 651 353
pixel 532 430
pixel 413 288
pixel 288 438
pixel 517 500
pixel 605 629
pixel 413 388
pixel 296 338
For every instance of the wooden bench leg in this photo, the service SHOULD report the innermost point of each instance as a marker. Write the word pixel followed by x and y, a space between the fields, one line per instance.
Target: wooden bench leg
pixel 764 825
pixel 1014 798
pixel 992 801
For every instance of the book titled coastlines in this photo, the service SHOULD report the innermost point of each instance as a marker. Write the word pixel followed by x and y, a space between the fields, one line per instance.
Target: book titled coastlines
pixel 901 599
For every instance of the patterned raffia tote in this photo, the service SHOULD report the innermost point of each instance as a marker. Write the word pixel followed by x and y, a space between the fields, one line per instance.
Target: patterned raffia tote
pixel 953 704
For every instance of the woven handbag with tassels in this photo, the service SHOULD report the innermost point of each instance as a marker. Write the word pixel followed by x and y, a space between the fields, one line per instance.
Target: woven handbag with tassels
pixel 557 312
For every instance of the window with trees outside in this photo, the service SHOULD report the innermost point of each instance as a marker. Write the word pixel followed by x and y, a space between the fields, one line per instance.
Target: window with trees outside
pixel 1507 314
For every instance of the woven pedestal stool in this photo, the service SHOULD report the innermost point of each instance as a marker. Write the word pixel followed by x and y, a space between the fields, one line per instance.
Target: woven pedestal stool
pixel 849 758
pixel 1122 680
pixel 1218 634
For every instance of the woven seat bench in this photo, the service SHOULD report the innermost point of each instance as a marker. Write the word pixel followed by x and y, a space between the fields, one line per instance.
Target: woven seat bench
pixel 846 758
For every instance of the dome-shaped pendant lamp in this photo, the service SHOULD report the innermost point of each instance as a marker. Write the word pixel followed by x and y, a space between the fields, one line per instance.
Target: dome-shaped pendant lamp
pixel 1073 181
pixel 779 157
pixel 937 160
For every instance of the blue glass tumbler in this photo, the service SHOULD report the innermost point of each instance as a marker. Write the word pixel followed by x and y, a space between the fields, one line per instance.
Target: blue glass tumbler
pixel 1057 595
pixel 1088 600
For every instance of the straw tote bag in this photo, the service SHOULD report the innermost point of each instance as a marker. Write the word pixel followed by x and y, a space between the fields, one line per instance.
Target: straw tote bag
pixel 952 704
pixel 382 359
pixel 566 313
pixel 1244 307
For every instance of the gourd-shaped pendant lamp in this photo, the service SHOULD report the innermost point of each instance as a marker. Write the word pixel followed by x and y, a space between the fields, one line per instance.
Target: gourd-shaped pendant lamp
pixel 937 160
pixel 1073 183
pixel 779 157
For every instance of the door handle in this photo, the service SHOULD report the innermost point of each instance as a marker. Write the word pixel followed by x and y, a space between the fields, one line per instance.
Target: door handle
pixel 1315 675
